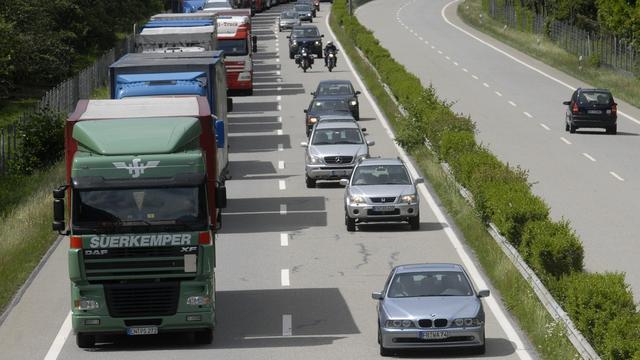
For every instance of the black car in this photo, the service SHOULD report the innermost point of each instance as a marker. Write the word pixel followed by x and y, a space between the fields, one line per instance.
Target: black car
pixel 305 36
pixel 315 5
pixel 591 108
pixel 324 105
pixel 343 89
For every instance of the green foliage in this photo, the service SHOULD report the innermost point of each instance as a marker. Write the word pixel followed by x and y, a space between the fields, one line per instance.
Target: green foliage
pixel 40 141
pixel 602 308
pixel 6 57
pixel 551 248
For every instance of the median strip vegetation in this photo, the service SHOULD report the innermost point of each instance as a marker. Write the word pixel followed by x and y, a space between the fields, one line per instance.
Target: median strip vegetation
pixel 600 305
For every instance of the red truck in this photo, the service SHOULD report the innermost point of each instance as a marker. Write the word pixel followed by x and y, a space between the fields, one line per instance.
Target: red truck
pixel 235 39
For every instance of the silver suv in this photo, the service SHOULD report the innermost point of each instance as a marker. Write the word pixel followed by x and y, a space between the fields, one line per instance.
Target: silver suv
pixel 333 150
pixel 381 190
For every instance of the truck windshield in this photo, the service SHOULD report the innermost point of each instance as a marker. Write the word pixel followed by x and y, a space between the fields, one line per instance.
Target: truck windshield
pixel 137 209
pixel 234 47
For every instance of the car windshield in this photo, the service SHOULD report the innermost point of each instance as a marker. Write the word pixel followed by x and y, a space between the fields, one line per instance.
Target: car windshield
pixel 429 283
pixel 329 105
pixel 334 89
pixel 336 136
pixel 233 47
pixel 305 32
pixel 381 175
pixel 594 98
pixel 162 206
pixel 303 7
pixel 289 15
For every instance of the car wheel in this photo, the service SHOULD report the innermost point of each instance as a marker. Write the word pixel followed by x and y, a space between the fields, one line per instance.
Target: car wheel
pixel 203 337
pixel 414 222
pixel 479 350
pixel 572 128
pixel 612 130
pixel 350 222
pixel 85 341
pixel 383 350
pixel 311 183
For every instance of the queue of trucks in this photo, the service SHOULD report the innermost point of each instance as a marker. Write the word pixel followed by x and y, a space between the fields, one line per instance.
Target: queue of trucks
pixel 145 175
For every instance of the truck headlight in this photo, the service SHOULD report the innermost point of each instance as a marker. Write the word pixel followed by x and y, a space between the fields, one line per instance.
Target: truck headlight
pixel 85 304
pixel 408 198
pixel 198 300
pixel 356 199
pixel 398 324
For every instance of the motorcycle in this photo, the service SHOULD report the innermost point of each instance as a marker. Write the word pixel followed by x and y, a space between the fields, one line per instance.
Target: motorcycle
pixel 331 59
pixel 304 59
pixel 316 4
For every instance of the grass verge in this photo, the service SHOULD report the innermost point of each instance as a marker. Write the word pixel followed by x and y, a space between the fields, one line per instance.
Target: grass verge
pixel 25 222
pixel 541 48
pixel 547 335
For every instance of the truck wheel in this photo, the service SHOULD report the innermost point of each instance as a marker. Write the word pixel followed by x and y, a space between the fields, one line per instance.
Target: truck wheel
pixel 248 92
pixel 203 337
pixel 85 341
pixel 350 222
pixel 311 183
pixel 414 222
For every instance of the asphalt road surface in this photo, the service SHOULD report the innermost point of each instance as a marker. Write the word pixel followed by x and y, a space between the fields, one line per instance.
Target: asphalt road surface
pixel 589 178
pixel 292 283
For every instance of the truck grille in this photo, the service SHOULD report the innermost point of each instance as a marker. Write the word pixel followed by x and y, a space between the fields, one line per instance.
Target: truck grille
pixel 390 199
pixel 146 299
pixel 106 265
pixel 338 159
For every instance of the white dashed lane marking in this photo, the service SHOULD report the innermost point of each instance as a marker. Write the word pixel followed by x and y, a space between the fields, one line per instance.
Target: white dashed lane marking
pixel 284 239
pixel 527 114
pixel 545 126
pixel 498 93
pixel 589 157
pixel 284 277
pixel 565 141
pixel 512 103
pixel 616 176
pixel 475 77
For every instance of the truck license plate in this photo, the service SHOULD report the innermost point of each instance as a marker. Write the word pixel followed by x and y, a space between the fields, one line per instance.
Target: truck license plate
pixel 147 330
pixel 433 335
pixel 383 208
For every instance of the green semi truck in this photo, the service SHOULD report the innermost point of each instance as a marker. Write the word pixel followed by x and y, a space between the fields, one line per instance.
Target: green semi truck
pixel 142 206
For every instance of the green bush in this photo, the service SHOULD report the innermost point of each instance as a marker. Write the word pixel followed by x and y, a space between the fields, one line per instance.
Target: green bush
pixel 551 248
pixel 453 144
pixel 623 338
pixel 40 141
pixel 594 301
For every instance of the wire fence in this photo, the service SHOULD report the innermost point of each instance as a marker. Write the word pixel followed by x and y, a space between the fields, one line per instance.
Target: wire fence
pixel 64 96
pixel 596 48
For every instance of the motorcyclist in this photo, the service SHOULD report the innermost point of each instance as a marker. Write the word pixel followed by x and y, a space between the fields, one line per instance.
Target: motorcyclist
pixel 303 53
pixel 330 47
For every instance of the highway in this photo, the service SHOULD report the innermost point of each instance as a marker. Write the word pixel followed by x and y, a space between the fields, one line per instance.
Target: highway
pixel 589 178
pixel 292 283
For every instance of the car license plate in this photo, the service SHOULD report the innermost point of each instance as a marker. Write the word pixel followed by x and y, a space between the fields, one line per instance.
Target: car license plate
pixel 433 335
pixel 594 111
pixel 383 208
pixel 338 173
pixel 147 330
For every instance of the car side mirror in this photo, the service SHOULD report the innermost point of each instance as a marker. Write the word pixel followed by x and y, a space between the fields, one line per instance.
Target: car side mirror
pixel 313 93
pixel 288 37
pixel 615 104
pixel 358 92
pixel 344 182
pixel 364 129
pixel 322 35
pixel 221 196
pixel 419 181
pixel 484 293
pixel 371 142
pixel 304 111
pixel 566 102
pixel 304 144
pixel 229 104
pixel 376 295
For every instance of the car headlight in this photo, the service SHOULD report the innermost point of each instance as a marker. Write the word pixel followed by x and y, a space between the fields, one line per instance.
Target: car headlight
pixel 356 199
pixel 313 120
pixel 408 198
pixel 294 45
pixel 399 324
pixel 317 42
pixel 313 159
pixel 467 322
pixel 353 103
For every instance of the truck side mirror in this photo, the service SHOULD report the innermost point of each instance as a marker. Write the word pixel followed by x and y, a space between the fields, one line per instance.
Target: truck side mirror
pixel 58 209
pixel 221 196
pixel 254 40
pixel 219 125
pixel 229 104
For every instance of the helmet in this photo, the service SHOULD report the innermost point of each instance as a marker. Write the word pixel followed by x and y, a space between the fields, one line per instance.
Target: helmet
pixel 329 43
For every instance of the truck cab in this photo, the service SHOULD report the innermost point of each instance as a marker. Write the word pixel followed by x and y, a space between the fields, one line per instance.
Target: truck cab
pixel 178 33
pixel 143 205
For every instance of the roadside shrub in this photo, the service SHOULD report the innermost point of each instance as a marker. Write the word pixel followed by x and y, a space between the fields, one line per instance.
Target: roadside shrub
pixel 453 144
pixel 594 301
pixel 551 248
pixel 623 338
pixel 40 141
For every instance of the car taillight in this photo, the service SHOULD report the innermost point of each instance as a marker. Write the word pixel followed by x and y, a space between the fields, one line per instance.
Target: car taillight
pixel 614 108
pixel 575 108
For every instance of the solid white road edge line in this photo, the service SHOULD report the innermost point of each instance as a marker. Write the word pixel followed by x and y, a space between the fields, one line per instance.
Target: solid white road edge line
pixel 471 267
pixel 60 339
pixel 531 67
pixel 284 277
pixel 284 239
pixel 286 325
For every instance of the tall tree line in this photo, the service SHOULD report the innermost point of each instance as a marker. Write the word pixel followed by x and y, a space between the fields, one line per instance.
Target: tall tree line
pixel 43 42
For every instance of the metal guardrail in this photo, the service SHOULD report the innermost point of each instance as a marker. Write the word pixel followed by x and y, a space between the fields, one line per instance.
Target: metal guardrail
pixel 554 309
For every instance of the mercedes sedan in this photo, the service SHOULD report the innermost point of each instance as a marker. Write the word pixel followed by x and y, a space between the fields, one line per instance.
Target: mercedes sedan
pixel 430 306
